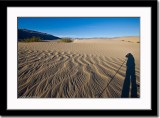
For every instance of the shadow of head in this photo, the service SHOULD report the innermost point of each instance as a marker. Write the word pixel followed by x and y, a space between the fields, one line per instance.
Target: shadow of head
pixel 130 62
pixel 129 55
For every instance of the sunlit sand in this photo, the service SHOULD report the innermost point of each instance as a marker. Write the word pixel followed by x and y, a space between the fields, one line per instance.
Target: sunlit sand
pixel 81 69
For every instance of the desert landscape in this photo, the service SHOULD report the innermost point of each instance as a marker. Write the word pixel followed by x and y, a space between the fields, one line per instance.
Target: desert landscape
pixel 80 69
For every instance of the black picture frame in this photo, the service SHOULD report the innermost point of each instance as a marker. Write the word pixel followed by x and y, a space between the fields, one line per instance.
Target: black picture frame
pixel 89 3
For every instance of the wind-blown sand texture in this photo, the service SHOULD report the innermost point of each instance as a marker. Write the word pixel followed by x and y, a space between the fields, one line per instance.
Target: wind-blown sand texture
pixel 81 69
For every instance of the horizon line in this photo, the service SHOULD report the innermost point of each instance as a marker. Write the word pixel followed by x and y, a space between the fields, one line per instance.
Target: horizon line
pixel 76 37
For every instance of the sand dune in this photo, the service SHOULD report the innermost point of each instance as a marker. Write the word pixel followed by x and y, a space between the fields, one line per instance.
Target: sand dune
pixel 132 39
pixel 81 69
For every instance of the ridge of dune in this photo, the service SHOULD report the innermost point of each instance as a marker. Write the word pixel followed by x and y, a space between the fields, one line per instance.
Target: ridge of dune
pixel 132 39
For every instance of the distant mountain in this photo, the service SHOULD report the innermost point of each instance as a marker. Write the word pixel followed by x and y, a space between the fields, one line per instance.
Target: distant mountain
pixel 25 33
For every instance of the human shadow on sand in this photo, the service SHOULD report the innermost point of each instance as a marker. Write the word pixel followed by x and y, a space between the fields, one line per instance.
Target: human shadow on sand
pixel 130 79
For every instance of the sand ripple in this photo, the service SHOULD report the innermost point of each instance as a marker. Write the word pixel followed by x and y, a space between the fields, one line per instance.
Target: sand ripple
pixel 64 74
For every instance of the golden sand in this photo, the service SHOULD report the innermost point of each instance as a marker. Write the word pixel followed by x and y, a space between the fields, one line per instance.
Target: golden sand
pixel 80 69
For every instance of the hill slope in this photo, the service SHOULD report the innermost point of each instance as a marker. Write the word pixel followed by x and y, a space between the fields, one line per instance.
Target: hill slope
pixel 24 34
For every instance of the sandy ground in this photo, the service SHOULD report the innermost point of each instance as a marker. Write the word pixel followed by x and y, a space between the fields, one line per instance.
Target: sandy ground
pixel 81 69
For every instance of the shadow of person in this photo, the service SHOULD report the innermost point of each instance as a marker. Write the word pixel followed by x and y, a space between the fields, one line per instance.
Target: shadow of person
pixel 130 78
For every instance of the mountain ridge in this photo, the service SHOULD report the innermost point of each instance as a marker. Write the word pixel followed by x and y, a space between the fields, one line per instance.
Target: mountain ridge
pixel 26 33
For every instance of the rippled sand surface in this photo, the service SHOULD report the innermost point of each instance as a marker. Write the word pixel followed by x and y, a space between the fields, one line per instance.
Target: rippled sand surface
pixel 81 69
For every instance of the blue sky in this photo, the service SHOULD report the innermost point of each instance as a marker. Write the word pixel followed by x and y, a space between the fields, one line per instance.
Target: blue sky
pixel 83 27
